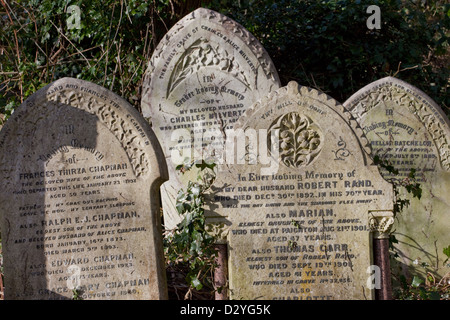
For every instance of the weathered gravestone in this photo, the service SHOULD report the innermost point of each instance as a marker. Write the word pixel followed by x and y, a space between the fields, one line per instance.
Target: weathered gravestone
pixel 80 173
pixel 299 225
pixel 408 129
pixel 204 74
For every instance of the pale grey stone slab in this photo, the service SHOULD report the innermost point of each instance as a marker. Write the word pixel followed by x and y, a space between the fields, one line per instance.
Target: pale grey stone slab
pixel 408 129
pixel 203 75
pixel 80 173
pixel 299 215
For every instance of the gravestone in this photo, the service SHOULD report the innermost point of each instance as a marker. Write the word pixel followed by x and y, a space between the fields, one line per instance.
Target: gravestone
pixel 299 215
pixel 80 172
pixel 203 75
pixel 408 129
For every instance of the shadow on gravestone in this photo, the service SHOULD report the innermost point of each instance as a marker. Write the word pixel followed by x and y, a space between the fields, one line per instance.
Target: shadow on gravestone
pixel 81 171
pixel 300 226
pixel 408 129
pixel 203 75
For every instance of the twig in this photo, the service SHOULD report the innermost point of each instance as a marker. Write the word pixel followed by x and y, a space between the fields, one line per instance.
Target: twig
pixel 188 294
pixel 60 62
pixel 72 54
pixel 113 79
pixel 9 72
pixel 56 53
pixel 314 81
pixel 144 53
pixel 172 8
pixel 17 47
pixel 162 20
pixel 108 46
pixel 120 66
pixel 113 40
pixel 81 53
pixel 127 12
pixel 408 68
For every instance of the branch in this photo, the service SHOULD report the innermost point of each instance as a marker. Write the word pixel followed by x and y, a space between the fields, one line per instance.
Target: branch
pixel 81 53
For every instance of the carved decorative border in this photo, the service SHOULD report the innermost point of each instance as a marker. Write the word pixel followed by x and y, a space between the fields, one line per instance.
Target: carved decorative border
pixel 419 104
pixel 106 113
pixel 294 88
pixel 110 116
pixel 250 41
pixel 380 223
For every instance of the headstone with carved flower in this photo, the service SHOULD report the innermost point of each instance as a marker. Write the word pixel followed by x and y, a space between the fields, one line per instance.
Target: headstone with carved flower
pixel 300 213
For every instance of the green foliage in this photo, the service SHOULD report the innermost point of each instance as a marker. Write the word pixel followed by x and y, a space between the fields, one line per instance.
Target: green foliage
pixel 190 244
pixel 322 44
pixel 110 47
pixel 420 289
pixel 447 253
pixel 327 45
pixel 409 183
pixel 77 294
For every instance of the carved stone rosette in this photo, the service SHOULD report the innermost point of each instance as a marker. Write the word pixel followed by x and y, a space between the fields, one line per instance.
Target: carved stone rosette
pixel 380 223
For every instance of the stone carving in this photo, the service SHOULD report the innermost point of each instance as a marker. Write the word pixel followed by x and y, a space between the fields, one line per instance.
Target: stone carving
pixel 202 76
pixel 80 171
pixel 342 152
pixel 125 130
pixel 299 139
pixel 299 231
pixel 423 109
pixel 264 62
pixel 202 54
pixel 408 130
pixel 380 223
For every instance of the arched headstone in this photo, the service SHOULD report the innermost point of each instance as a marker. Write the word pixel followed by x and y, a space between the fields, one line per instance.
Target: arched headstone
pixel 204 74
pixel 409 130
pixel 301 213
pixel 80 174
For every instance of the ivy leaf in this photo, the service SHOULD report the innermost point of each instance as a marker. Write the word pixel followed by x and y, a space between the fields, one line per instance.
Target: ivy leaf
pixel 194 281
pixel 415 189
pixel 195 190
pixel 434 295
pixel 447 253
pixel 423 293
pixel 204 164
pixel 196 244
pixel 180 207
pixel 416 282
pixel 412 173
pixel 376 159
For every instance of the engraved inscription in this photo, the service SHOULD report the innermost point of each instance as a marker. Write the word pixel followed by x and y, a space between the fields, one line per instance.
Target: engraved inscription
pixel 77 211
pixel 84 222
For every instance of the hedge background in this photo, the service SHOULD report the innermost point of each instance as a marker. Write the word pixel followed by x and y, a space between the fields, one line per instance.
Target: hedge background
pixel 321 44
